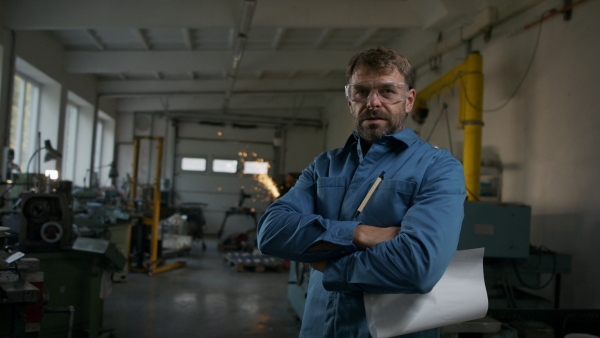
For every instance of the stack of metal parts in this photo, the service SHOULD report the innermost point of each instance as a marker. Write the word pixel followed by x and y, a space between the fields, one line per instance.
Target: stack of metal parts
pixel 256 261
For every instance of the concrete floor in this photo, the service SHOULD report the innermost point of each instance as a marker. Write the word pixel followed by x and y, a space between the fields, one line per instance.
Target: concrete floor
pixel 206 298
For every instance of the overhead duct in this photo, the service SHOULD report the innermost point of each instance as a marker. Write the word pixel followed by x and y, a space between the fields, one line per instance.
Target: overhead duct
pixel 208 117
pixel 239 48
pixel 122 95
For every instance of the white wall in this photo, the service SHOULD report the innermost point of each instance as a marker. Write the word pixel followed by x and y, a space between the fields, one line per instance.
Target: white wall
pixel 547 134
pixel 42 51
pixel 545 137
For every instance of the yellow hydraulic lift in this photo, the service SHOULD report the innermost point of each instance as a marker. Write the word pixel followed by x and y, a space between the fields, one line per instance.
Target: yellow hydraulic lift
pixel 469 76
pixel 155 265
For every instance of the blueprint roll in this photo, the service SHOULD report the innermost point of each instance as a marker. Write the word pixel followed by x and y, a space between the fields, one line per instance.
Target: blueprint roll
pixel 459 296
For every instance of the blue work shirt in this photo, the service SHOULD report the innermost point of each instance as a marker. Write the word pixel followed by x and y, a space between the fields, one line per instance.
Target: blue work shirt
pixel 423 192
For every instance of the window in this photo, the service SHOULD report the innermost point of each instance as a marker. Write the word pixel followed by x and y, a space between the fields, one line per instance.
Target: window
pixel 70 142
pixel 23 120
pixel 224 166
pixel 256 167
pixel 77 142
pixel 193 164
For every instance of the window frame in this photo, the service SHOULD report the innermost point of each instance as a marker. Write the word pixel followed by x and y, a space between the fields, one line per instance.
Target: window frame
pixel 24 150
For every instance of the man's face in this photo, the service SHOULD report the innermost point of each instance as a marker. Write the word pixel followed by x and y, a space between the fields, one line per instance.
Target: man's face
pixel 373 118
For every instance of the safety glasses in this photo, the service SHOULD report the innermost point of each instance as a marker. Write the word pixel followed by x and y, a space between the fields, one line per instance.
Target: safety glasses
pixel 389 92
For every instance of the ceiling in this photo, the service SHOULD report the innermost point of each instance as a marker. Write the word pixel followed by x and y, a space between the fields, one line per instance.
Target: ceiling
pixel 246 60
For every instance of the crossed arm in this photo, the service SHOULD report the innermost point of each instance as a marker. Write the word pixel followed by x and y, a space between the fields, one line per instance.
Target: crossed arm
pixel 365 236
pixel 388 260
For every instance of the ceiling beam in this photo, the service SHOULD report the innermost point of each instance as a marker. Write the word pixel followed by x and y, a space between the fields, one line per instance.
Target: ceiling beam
pixel 201 61
pixel 75 14
pixel 95 39
pixel 322 38
pixel 216 93
pixel 279 34
pixel 277 105
pixel 187 38
pixel 364 37
pixel 143 39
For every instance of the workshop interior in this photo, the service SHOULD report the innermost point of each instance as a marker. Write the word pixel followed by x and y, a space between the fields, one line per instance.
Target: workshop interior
pixel 143 140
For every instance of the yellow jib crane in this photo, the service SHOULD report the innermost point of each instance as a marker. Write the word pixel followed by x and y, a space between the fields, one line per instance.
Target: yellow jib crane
pixel 469 76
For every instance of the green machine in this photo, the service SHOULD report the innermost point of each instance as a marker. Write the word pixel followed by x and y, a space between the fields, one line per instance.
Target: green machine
pixel 77 269
pixel 76 282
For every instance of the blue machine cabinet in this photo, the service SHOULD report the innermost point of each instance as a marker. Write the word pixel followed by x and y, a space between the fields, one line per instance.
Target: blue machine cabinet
pixel 503 229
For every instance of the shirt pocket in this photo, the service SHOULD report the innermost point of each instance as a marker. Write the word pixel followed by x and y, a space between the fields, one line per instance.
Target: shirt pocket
pixel 389 203
pixel 330 195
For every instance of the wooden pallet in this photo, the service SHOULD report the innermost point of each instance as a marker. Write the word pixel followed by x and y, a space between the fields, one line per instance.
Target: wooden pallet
pixel 252 261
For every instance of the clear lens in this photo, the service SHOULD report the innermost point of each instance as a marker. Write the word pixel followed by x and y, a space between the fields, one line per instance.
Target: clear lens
pixel 386 91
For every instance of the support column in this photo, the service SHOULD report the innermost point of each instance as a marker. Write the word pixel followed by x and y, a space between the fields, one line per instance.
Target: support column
pixel 472 122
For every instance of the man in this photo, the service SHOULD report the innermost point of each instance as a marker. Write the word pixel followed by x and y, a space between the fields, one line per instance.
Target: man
pixel 405 236
pixel 290 180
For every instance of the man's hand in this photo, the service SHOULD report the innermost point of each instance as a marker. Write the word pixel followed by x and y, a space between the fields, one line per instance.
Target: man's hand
pixel 319 265
pixel 365 236
pixel 321 246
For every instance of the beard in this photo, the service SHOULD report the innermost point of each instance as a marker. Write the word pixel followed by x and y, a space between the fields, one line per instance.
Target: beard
pixel 394 122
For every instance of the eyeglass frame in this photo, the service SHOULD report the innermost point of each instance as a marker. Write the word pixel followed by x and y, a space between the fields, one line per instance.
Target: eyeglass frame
pixel 347 89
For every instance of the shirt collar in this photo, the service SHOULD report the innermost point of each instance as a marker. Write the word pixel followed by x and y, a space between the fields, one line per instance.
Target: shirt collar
pixel 406 136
